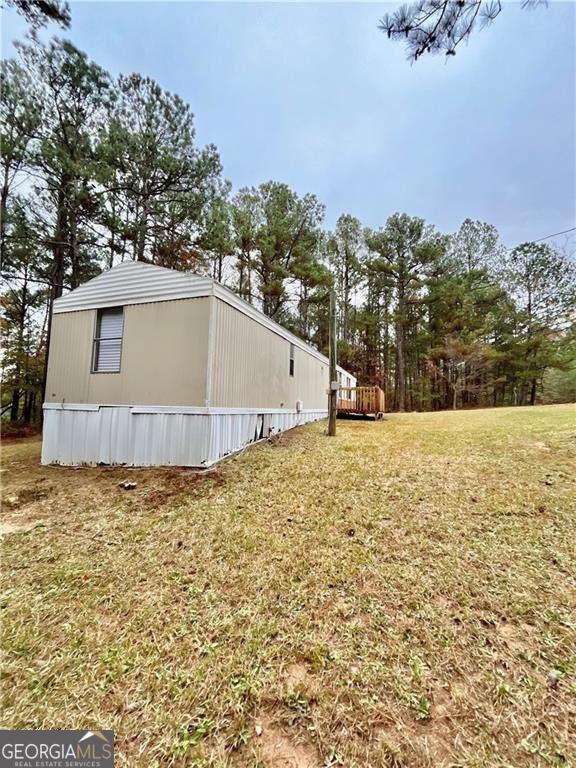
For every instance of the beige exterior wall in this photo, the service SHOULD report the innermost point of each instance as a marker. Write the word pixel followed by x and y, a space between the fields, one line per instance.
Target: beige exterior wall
pixel 251 366
pixel 164 356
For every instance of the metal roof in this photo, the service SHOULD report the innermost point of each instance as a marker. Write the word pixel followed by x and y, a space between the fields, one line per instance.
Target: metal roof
pixel 133 282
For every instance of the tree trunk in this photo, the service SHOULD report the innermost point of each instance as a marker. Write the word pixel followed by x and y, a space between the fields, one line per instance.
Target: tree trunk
pixel 15 406
pixel 3 207
pixel 28 407
pixel 533 392
pixel 112 231
pixel 74 256
pixel 386 350
pixel 58 271
pixel 244 276
pixel 345 330
pixel 400 369
pixel 521 393
pixel 141 231
pixel 141 241
pixel 22 310
pixel 400 350
pixel 60 239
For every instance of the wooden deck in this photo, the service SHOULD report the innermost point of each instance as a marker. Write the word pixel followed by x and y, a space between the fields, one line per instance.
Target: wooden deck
pixel 362 400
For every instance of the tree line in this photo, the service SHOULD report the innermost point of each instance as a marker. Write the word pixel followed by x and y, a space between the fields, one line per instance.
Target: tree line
pixel 97 170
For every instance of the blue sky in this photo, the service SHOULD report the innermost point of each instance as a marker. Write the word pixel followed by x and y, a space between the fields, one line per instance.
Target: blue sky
pixel 315 96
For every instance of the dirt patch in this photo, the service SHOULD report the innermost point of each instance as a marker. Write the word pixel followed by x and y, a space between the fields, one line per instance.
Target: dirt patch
pixel 19 434
pixel 275 748
pixel 177 482
pixel 442 706
pixel 7 528
pixel 30 490
pixel 25 496
pixel 296 676
pixel 519 639
pixel 286 439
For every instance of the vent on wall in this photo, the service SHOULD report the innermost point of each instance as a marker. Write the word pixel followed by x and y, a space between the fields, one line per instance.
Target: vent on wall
pixel 107 351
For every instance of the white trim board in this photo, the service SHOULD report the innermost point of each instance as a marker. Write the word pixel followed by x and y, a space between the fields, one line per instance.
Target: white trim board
pixel 183 409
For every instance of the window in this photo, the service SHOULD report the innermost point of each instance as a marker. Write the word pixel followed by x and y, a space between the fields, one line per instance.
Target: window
pixel 291 359
pixel 107 349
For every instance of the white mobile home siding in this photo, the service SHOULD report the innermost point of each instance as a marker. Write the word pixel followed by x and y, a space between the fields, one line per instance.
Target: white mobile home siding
pixel 254 370
pixel 163 360
pixel 202 374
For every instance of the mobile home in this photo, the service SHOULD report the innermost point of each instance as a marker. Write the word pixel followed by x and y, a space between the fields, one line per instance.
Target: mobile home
pixel 150 366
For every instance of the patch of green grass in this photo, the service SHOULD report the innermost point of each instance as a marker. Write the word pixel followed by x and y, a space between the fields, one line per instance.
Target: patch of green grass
pixel 400 595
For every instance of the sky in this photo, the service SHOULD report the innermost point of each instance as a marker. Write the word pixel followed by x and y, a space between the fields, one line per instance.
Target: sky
pixel 314 95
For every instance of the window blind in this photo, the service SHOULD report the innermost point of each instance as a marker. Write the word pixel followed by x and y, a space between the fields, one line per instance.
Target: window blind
pixel 108 340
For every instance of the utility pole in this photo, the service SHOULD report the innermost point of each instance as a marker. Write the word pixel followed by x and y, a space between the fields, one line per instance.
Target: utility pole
pixel 333 391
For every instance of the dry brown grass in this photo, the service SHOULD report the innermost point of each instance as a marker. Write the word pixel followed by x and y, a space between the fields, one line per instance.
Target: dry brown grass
pixel 401 595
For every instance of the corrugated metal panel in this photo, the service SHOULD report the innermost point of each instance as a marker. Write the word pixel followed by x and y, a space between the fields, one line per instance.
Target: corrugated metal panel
pixel 251 366
pixel 136 282
pixel 133 282
pixel 119 435
pixel 164 357
pixel 69 360
pixel 229 297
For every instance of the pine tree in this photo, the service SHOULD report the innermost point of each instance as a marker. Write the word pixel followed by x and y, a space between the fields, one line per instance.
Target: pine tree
pixel 157 183
pixel 346 248
pixel 544 285
pixel 22 303
pixel 407 247
pixel 276 230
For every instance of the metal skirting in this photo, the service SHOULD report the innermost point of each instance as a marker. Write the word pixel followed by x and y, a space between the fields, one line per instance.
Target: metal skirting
pixel 144 437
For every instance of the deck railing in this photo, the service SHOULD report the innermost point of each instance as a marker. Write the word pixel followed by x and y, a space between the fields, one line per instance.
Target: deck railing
pixel 361 400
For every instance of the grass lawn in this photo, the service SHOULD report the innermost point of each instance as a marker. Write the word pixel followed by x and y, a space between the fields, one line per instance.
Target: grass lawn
pixel 401 595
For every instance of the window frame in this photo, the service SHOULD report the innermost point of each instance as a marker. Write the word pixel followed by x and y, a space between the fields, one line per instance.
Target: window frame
pixel 96 338
pixel 292 363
